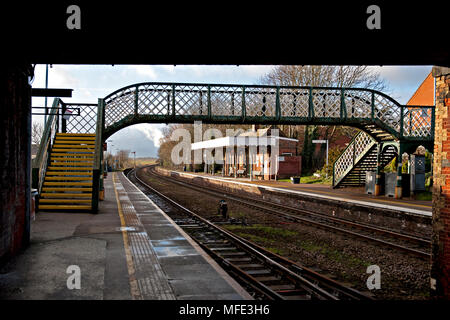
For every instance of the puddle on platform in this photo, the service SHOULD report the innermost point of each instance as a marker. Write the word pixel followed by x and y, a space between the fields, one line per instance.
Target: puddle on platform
pixel 171 243
pixel 126 229
pixel 175 251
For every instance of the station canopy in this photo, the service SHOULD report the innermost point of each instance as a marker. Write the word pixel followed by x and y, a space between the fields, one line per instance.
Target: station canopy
pixel 258 137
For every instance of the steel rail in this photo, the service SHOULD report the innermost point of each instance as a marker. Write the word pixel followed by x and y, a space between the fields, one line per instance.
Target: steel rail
pixel 307 284
pixel 279 212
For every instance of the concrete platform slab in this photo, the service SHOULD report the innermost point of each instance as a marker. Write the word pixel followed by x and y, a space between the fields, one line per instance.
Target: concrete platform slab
pixel 129 250
pixel 186 268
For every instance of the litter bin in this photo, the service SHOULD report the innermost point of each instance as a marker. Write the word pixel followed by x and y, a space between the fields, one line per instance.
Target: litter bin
pixel 406 185
pixel 390 182
pixel 370 182
pixel 295 180
pixel 417 179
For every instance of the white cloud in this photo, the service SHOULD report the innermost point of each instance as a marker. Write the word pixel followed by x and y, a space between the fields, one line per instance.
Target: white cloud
pixel 403 80
pixel 147 71
pixel 132 139
pixel 152 131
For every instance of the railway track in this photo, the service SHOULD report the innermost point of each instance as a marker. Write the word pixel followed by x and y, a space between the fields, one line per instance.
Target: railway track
pixel 264 274
pixel 392 239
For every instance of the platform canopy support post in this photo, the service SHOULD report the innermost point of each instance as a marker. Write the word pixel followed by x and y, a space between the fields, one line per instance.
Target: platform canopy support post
pixel 398 187
pixel 378 170
pixel 251 156
pixel 223 162
pixel 235 158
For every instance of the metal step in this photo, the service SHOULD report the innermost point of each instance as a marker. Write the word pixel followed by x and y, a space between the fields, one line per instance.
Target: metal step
pixel 46 183
pixel 61 150
pixel 71 159
pixel 47 189
pixel 69 173
pixel 64 200
pixel 68 134
pixel 65 195
pixel 73 163
pixel 64 207
pixel 59 178
pixel 368 162
pixel 64 141
pixel 71 155
pixel 73 146
pixel 70 168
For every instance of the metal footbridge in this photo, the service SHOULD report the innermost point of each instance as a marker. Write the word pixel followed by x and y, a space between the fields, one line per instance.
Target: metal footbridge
pixel 388 128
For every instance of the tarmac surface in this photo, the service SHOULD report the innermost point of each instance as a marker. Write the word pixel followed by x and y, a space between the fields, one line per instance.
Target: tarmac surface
pixel 130 250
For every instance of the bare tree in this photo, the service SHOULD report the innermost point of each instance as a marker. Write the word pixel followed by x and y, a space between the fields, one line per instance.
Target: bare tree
pixel 330 76
pixel 322 76
pixel 37 130
pixel 123 157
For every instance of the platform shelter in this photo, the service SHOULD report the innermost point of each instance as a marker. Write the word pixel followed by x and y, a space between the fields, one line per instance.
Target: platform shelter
pixel 263 154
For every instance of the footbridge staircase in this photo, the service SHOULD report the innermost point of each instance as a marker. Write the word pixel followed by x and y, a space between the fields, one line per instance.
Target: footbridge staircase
pixel 388 128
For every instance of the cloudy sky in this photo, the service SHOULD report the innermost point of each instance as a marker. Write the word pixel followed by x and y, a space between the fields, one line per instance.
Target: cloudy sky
pixel 90 82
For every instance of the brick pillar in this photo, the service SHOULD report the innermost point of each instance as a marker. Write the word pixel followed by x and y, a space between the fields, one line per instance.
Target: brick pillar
pixel 440 265
pixel 15 159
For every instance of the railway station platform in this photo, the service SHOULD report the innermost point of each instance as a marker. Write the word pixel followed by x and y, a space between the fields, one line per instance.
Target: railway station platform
pixel 351 195
pixel 130 250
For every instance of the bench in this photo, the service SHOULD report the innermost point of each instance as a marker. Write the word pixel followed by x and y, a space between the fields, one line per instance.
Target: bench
pixel 240 171
pixel 256 173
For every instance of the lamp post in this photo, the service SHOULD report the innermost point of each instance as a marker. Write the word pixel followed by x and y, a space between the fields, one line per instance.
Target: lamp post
pixel 117 155
pixel 106 158
pixel 134 152
pixel 112 157
pixel 46 86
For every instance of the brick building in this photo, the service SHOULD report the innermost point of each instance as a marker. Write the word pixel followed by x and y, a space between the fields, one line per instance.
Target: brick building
pixel 259 153
pixel 440 266
pixel 424 96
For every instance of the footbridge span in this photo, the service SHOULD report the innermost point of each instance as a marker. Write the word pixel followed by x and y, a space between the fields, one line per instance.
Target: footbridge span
pixel 70 154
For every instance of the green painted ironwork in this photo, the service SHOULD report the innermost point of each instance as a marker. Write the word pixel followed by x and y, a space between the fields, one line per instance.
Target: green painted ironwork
pixel 381 118
pixel 265 105
pixel 360 147
pixel 97 175
pixel 42 160
pixel 378 115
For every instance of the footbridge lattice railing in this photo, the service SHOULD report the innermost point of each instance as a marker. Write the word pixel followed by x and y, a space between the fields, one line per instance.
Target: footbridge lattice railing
pixel 240 104
pixel 216 103
pixel 355 150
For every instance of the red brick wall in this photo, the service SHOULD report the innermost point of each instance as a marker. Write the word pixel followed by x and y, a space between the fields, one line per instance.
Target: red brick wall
pixel 291 166
pixel 286 146
pixel 15 156
pixel 440 266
